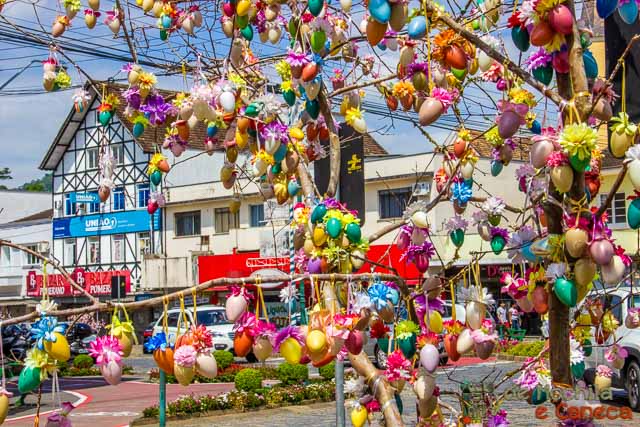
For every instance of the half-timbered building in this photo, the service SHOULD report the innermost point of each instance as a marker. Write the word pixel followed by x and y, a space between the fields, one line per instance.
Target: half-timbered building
pixel 103 242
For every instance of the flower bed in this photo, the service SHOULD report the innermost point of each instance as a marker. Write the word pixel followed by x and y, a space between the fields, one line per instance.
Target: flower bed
pixel 235 400
pixel 527 349
pixel 227 375
pixel 93 371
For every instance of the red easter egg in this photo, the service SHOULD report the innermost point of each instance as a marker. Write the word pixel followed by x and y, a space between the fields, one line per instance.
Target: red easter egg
pixel 541 34
pixel 561 19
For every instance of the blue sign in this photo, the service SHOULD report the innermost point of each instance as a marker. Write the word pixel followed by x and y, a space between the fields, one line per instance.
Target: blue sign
pixel 106 223
pixel 84 198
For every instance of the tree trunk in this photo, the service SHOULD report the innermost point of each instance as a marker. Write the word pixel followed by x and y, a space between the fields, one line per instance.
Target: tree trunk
pixel 382 390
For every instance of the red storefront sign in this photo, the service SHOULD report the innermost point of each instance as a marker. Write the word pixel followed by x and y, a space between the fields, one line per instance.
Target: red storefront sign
pixel 242 264
pixel 96 283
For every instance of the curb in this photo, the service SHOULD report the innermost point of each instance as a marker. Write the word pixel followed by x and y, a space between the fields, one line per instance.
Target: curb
pixel 509 357
pixel 213 414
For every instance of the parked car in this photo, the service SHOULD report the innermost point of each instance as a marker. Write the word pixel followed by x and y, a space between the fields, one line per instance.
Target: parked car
pixel 380 355
pixel 79 337
pixel 16 341
pixel 213 317
pixel 627 378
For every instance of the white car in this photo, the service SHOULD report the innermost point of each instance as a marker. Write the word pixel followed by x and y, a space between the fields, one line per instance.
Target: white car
pixel 212 316
pixel 628 377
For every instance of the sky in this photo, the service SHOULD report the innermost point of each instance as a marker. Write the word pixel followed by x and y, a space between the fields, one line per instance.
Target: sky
pixel 30 122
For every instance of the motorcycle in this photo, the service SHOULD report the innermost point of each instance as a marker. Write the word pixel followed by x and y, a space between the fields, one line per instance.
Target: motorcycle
pixel 16 341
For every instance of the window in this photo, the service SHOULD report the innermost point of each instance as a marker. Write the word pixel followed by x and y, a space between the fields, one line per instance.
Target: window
pixel 70 251
pixel 225 221
pixel 256 213
pixel 118 199
pixel 212 317
pixel 172 320
pixel 144 243
pixel 93 250
pixel 616 213
pixel 188 223
pixel 391 203
pixel 32 259
pixel 118 248
pixel 6 255
pixel 94 207
pixel 118 154
pixel 92 158
pixel 69 206
pixel 143 195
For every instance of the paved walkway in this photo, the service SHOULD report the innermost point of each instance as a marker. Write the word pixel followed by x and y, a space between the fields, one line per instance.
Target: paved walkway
pixel 102 405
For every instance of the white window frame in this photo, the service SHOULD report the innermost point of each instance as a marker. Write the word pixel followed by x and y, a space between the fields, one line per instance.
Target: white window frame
pixel 118 153
pixel 617 212
pixel 29 258
pixel 92 155
pixel 118 240
pixel 74 257
pixel 144 243
pixel 91 243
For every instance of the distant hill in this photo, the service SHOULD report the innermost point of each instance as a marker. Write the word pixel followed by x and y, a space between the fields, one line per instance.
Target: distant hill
pixel 44 184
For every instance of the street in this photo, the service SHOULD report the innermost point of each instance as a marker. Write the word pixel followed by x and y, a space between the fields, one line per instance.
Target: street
pixel 112 406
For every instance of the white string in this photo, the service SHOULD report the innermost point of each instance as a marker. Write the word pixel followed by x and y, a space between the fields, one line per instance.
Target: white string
pixel 4 379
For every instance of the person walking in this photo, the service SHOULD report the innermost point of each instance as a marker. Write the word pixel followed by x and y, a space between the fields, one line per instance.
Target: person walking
pixel 545 325
pixel 501 313
pixel 515 317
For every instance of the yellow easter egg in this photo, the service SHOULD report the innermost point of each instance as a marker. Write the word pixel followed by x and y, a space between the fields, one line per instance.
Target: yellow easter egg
pixel 296 133
pixel 319 236
pixel 242 9
pixel 59 349
pixel 291 350
pixel 316 341
pixel 242 139
pixel 435 321
pixel 4 407
pixel 359 416
pixel 308 246
pixel 126 341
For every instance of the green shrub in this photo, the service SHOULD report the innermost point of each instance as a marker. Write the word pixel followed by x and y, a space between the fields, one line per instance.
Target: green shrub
pixel 224 358
pixel 82 361
pixel 328 371
pixel 292 374
pixel 527 349
pixel 248 380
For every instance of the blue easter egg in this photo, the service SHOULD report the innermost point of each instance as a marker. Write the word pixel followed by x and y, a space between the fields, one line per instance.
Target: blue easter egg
pixel 417 27
pixel 393 295
pixel 293 187
pixel 280 153
pixel 606 7
pixel 380 10
pixel 496 168
pixel 138 129
pixel 211 131
pixel 381 46
pixel 590 64
pixel 166 22
pixel 536 127
pixel 629 12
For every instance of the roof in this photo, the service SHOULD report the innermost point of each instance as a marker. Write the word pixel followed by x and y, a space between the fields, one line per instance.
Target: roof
pixel 483 148
pixel 152 136
pixel 46 214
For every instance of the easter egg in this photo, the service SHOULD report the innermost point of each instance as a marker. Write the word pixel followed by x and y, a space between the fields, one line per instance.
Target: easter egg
pixel 434 320
pixel 606 7
pixel 465 341
pixel 4 407
pixel 628 12
pixel 633 214
pixel 451 347
pixel 316 341
pixel 429 357
pixel 359 416
pixel 430 111
pixel 247 32
pixel 315 6
pixel 497 244
pixel 353 232
pixel 206 365
pixel 58 350
pixel 105 117
pixel 242 343
pixel 318 213
pixel 561 19
pixel 184 374
pixel 417 27
pixel 496 167
pixel 313 108
pixel 291 350
pixel 613 272
pixel 541 34
pixel 398 17
pixel 576 241
pixel 262 348
pixel 235 306
pixel 520 37
pixel 375 31
pixel 164 359
pixel 138 129
pixel 354 342
pixel 29 379
pixel 543 74
pixel 380 10
pixel 590 64
pixel 566 291
pixel 601 250
pixel 455 57
pixel 317 40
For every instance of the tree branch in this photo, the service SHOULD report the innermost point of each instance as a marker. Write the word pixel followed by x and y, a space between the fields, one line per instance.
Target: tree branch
pixel 616 185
